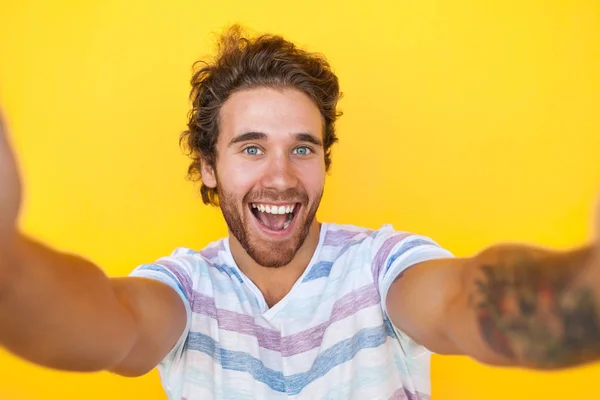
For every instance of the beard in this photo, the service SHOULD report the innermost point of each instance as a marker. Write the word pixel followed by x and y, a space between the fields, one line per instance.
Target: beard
pixel 270 254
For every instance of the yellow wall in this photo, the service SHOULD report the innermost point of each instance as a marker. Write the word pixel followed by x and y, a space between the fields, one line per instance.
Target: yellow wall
pixel 471 122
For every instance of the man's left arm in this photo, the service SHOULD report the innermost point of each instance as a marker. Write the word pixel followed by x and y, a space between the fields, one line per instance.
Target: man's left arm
pixel 509 305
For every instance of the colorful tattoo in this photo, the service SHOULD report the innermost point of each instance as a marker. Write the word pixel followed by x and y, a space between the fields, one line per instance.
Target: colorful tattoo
pixel 529 310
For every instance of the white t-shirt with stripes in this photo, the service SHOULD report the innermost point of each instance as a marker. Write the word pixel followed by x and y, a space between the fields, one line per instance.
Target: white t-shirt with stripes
pixel 328 338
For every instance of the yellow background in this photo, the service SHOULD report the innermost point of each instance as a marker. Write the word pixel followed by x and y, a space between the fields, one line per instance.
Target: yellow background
pixel 472 122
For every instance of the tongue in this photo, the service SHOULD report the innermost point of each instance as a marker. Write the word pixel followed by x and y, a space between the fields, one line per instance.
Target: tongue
pixel 272 221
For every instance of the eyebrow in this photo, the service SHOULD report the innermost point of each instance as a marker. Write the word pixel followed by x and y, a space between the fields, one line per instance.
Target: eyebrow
pixel 248 136
pixel 252 135
pixel 307 137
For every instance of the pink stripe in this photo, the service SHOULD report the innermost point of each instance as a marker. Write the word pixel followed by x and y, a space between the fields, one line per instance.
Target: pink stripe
pixel 403 394
pixel 348 305
pixel 338 238
pixel 212 252
pixel 236 322
pixel 384 252
pixel 271 339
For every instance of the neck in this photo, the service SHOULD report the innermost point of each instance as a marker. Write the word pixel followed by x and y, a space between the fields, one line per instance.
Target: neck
pixel 275 283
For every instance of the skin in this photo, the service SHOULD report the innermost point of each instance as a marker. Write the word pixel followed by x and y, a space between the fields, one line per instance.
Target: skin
pixel 527 309
pixel 10 199
pixel 507 305
pixel 510 305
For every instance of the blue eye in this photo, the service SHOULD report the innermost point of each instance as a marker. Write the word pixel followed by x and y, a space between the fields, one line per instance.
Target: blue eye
pixel 302 150
pixel 252 151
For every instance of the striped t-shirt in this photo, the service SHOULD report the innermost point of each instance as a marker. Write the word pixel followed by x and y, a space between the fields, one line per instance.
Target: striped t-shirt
pixel 328 338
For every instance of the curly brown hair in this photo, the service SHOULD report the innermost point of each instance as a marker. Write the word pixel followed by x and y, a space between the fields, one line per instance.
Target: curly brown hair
pixel 242 62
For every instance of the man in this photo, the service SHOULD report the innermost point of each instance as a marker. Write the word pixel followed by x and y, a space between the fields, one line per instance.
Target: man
pixel 287 306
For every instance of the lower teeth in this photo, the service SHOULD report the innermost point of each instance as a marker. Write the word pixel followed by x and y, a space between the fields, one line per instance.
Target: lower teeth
pixel 286 224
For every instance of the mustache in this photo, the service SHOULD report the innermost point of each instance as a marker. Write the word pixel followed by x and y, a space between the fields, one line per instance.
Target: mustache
pixel 269 195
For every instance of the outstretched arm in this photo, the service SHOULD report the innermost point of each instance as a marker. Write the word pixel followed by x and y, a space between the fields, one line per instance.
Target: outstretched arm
pixel 509 305
pixel 61 311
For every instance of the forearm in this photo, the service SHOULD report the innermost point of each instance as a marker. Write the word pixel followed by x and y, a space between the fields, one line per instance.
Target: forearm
pixel 529 307
pixel 60 311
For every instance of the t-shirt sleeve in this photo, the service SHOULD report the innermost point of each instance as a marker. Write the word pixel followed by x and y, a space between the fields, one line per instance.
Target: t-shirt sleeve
pixel 393 253
pixel 176 271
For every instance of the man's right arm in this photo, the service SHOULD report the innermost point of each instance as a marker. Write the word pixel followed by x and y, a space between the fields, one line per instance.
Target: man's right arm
pixel 63 312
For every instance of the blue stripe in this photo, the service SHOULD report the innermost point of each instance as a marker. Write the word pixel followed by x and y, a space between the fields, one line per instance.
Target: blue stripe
pixel 226 269
pixel 236 360
pixel 348 245
pixel 404 248
pixel 162 270
pixel 340 353
pixel 323 268
pixel 319 270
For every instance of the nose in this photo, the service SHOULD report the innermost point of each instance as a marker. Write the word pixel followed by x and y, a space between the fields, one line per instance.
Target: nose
pixel 280 173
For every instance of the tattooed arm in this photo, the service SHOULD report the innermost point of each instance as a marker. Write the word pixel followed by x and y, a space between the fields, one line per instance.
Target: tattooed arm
pixel 509 305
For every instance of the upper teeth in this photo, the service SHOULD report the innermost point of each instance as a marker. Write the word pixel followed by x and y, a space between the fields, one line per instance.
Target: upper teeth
pixel 272 209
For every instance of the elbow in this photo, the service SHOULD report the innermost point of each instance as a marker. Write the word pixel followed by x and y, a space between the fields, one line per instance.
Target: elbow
pixel 126 336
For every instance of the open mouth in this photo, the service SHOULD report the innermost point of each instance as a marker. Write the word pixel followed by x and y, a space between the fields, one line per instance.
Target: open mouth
pixel 275 217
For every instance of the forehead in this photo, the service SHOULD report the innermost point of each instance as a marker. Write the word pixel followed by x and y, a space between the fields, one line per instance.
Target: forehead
pixel 272 111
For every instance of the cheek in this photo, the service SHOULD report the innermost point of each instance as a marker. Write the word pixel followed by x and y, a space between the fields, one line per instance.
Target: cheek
pixel 237 177
pixel 313 179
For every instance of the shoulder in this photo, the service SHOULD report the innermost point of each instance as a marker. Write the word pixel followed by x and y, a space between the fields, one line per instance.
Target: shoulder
pixel 387 238
pixel 383 238
pixel 387 250
pixel 341 234
pixel 184 265
pixel 393 252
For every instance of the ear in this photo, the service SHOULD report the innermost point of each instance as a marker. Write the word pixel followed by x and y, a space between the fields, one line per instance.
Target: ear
pixel 209 178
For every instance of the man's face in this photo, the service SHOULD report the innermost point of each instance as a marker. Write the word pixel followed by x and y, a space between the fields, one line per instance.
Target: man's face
pixel 270 171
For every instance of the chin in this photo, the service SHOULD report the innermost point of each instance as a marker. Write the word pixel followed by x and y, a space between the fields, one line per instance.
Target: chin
pixel 269 260
pixel 270 236
pixel 271 252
